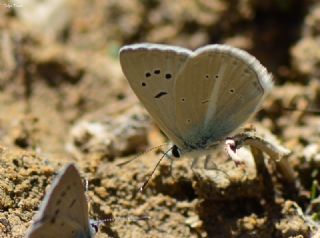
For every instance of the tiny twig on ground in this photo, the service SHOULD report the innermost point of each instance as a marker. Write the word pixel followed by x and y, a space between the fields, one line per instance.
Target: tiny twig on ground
pixel 276 152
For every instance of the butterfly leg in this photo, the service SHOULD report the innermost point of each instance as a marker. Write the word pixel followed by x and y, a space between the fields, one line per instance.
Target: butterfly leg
pixel 171 170
pixel 193 165
pixel 209 164
pixel 194 162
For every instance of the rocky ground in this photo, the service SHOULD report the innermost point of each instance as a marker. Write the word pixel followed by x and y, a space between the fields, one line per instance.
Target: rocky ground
pixel 64 99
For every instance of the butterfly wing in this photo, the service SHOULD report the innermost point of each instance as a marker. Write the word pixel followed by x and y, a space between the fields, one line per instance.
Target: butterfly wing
pixel 218 89
pixel 151 70
pixel 62 228
pixel 64 208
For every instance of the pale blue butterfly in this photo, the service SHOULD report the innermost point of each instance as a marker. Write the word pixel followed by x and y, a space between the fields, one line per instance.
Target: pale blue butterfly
pixel 64 210
pixel 196 97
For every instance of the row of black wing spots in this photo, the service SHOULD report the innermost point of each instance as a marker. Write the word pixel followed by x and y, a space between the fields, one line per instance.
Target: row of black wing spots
pixel 245 73
pixel 56 213
pixel 207 76
pixel 216 76
pixel 58 202
pixel 156 72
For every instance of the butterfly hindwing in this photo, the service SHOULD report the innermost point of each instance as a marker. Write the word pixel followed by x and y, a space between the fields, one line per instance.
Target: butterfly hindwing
pixel 217 90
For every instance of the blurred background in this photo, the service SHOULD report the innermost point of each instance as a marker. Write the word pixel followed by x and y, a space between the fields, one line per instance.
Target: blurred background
pixel 63 97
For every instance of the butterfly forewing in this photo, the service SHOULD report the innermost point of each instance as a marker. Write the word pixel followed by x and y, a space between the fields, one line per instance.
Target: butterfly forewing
pixel 64 207
pixel 62 228
pixel 151 70
pixel 217 90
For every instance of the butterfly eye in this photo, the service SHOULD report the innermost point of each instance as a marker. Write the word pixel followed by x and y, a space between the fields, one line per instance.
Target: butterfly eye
pixel 168 76
pixel 148 75
pixel 176 151
pixel 143 84
pixel 231 90
pixel 157 71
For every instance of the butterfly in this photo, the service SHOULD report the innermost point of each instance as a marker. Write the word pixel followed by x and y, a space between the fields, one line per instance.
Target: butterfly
pixel 64 210
pixel 199 97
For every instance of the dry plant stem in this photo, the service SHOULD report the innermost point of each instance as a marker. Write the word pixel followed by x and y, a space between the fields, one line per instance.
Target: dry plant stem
pixel 276 152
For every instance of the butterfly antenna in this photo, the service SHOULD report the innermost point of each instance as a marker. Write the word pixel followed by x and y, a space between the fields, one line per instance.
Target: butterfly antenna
pixel 113 219
pixel 144 185
pixel 302 110
pixel 137 156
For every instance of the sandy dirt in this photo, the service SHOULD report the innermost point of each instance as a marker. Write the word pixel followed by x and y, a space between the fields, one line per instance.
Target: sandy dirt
pixel 64 99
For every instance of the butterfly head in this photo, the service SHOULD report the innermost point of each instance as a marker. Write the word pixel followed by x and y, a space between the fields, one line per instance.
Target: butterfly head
pixel 175 151
pixel 94 226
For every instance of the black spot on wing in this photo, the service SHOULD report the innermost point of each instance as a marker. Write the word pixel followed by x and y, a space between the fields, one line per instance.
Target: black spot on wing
pixel 58 202
pixel 53 220
pixel 72 203
pixel 159 95
pixel 56 212
pixel 168 76
pixel 156 71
